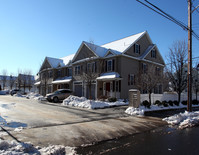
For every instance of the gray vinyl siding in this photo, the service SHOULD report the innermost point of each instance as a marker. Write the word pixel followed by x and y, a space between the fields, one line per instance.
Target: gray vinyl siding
pixel 158 58
pixel 127 66
pixel 84 53
pixel 144 44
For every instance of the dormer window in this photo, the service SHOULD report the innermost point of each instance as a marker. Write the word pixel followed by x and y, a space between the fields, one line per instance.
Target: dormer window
pixel 137 48
pixel 153 53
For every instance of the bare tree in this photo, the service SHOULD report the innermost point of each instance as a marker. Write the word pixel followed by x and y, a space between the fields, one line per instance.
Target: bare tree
pixel 4 78
pixel 195 83
pixel 149 78
pixel 177 68
pixel 91 68
pixel 11 80
pixel 30 79
pixel 19 80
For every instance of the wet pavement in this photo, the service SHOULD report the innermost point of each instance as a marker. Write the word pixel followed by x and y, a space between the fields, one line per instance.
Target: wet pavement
pixel 161 141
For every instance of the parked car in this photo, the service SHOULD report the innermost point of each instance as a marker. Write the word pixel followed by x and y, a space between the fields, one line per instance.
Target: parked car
pixel 15 91
pixel 58 95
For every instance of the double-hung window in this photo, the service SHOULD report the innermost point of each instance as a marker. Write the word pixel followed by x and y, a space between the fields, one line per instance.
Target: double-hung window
pixel 153 53
pixel 109 65
pixel 137 48
pixel 131 79
pixel 77 70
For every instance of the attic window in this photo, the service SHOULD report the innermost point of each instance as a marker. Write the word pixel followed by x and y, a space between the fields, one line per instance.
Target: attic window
pixel 153 53
pixel 137 48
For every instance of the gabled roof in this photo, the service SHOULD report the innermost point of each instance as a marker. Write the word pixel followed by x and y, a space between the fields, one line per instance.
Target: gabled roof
pixel 148 50
pixel 54 62
pixel 67 59
pixel 98 50
pixel 123 44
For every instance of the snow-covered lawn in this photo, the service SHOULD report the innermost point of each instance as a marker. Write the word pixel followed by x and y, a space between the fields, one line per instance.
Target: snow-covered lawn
pixel 184 120
pixel 90 104
pixel 15 148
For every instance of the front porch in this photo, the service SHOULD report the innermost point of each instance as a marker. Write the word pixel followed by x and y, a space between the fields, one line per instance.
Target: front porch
pixel 109 85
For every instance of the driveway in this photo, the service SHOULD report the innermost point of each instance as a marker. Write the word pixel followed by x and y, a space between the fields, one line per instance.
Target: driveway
pixel 47 123
pixel 34 113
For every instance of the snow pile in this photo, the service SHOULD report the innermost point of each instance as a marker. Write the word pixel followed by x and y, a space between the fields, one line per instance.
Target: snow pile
pixel 142 109
pixel 19 129
pixel 19 95
pixel 184 120
pixel 14 148
pixel 134 111
pixel 31 95
pixel 35 96
pixel 90 104
pixel 57 150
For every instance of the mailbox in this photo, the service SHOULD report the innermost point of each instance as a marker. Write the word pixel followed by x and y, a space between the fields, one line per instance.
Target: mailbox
pixel 134 98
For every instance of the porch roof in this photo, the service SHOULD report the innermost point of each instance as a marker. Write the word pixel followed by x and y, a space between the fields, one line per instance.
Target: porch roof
pixel 37 83
pixel 109 76
pixel 65 79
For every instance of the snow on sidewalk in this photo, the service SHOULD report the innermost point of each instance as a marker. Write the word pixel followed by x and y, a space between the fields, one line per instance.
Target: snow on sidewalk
pixel 15 148
pixel 90 104
pixel 184 120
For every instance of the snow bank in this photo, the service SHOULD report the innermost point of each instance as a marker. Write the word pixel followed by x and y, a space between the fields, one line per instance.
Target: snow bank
pixel 14 148
pixel 90 104
pixel 184 120
pixel 134 111
pixel 142 109
pixel 35 96
pixel 31 95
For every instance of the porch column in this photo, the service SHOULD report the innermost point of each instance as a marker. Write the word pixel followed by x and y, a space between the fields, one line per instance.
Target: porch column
pixel 96 89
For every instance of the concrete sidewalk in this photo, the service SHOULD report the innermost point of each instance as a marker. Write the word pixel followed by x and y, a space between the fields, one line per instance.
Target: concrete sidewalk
pixel 86 132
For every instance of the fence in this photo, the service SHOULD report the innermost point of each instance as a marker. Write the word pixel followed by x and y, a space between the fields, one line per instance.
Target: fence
pixel 165 97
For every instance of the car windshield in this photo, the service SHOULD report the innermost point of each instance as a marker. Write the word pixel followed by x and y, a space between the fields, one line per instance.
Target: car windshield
pixel 57 92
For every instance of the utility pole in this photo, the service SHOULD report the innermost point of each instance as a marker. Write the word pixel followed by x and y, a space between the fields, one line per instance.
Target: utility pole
pixel 189 73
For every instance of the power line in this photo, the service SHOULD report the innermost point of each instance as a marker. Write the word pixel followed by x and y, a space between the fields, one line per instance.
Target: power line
pixel 167 16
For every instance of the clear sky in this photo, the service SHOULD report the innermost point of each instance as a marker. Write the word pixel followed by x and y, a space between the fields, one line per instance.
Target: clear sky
pixel 30 30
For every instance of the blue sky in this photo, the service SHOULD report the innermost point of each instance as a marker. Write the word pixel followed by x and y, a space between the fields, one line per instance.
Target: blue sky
pixel 33 29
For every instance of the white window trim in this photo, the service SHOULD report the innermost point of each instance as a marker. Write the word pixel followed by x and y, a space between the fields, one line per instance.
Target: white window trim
pixel 137 48
pixel 111 68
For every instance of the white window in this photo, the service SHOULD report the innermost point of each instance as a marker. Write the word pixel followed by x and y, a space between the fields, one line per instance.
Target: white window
pixel 153 53
pixel 109 65
pixel 77 70
pixel 137 48
pixel 131 79
pixel 91 67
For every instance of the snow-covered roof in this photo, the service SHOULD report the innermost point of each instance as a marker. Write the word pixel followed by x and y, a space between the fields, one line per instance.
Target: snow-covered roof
pixel 67 59
pixel 37 83
pixel 54 62
pixel 65 79
pixel 109 76
pixel 99 51
pixel 123 44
